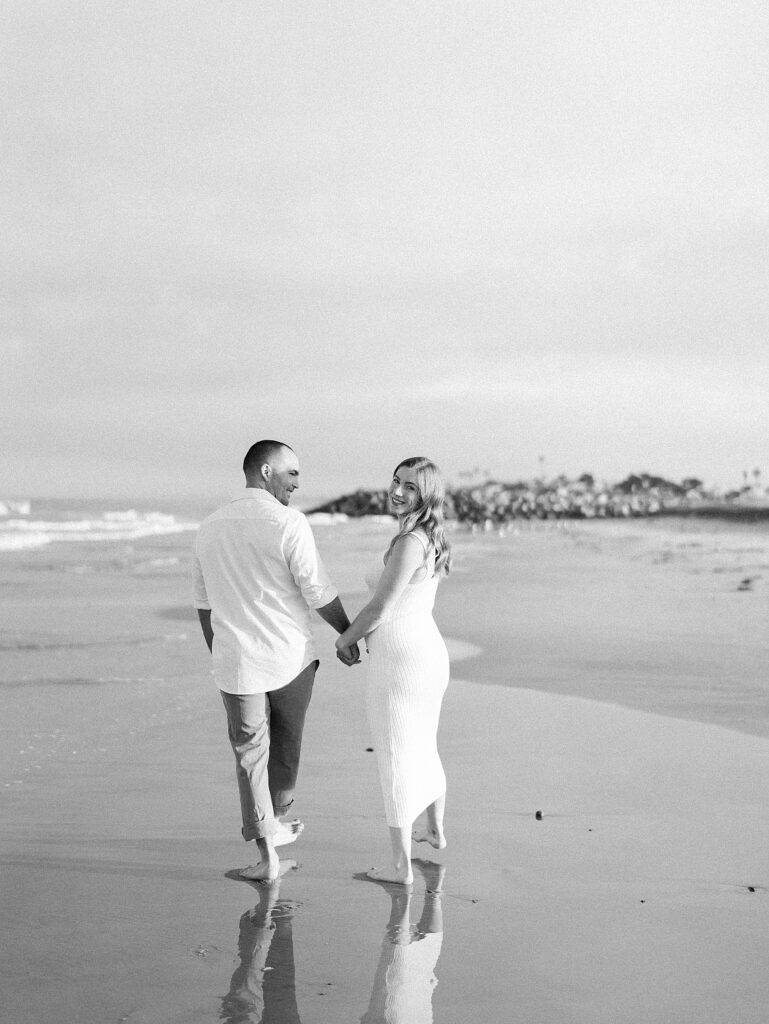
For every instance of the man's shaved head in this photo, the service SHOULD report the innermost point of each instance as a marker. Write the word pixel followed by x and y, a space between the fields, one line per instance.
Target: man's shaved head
pixel 272 466
pixel 260 453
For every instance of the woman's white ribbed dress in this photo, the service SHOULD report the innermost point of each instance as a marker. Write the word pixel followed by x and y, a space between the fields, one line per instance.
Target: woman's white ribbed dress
pixel 408 672
pixel 405 981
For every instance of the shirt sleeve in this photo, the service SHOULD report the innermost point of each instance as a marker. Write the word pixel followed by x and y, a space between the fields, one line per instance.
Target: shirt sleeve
pixel 199 593
pixel 306 566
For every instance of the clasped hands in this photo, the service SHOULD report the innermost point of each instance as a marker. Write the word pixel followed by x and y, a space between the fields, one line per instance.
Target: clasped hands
pixel 348 654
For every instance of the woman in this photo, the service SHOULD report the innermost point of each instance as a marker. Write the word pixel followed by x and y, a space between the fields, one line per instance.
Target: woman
pixel 409 665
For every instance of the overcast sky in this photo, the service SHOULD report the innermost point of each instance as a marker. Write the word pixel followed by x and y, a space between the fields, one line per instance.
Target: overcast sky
pixel 484 232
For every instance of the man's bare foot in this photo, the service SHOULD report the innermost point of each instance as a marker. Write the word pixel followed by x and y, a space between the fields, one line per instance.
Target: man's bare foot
pixel 403 876
pixel 267 871
pixel 288 832
pixel 433 836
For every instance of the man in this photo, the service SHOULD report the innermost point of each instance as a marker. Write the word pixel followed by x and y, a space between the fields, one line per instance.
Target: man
pixel 257 574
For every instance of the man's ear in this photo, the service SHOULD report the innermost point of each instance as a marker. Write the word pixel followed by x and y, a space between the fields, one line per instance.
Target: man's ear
pixel 266 471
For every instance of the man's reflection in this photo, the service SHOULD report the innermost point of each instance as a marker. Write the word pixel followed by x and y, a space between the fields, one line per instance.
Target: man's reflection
pixel 405 977
pixel 263 989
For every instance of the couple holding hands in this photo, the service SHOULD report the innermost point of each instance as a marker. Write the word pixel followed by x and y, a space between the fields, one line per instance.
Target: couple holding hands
pixel 257 577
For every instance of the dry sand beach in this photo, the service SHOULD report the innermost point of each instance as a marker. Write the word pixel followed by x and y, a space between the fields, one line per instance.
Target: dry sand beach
pixel 610 675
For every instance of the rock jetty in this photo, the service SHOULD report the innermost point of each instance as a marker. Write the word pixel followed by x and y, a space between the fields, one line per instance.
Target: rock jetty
pixel 494 503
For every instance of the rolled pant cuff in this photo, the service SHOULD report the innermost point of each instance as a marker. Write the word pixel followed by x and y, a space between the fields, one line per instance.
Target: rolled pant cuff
pixel 261 830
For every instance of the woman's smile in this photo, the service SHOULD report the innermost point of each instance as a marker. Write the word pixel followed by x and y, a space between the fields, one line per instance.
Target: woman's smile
pixel 404 491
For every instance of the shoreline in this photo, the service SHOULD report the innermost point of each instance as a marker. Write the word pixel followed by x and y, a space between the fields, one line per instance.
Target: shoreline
pixel 666 617
pixel 639 895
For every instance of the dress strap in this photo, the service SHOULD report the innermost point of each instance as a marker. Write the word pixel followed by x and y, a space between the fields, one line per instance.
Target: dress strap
pixel 422 540
pixel 426 556
pixel 427 546
pixel 417 536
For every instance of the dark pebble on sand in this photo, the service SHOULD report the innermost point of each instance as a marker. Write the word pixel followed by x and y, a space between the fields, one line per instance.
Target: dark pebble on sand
pixel 751 888
pixel 369 750
pixel 538 815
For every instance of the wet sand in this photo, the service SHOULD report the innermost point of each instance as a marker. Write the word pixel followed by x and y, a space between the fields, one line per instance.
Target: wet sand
pixel 618 686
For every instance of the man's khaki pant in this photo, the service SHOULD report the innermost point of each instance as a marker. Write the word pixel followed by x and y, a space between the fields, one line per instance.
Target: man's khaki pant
pixel 265 731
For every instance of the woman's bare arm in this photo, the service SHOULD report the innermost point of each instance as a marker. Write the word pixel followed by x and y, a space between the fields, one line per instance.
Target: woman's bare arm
pixel 406 556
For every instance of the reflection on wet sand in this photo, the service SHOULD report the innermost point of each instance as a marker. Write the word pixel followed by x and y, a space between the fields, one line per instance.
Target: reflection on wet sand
pixel 263 989
pixel 405 977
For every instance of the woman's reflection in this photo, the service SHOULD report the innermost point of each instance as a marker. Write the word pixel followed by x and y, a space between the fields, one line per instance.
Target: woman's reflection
pixel 405 977
pixel 263 989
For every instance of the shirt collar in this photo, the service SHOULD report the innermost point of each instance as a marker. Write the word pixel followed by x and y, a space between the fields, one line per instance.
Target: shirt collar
pixel 256 492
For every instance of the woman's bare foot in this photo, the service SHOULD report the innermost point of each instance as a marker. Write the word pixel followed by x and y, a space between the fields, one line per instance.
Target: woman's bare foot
pixel 403 876
pixel 267 870
pixel 433 836
pixel 288 832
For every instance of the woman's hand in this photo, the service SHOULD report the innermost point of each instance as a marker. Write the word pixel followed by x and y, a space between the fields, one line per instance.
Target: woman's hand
pixel 348 655
pixel 406 557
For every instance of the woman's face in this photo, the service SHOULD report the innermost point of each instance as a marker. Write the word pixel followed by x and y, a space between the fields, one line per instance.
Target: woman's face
pixel 404 491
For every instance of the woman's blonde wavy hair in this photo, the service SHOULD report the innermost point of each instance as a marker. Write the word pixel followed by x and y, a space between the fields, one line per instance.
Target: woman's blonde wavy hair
pixel 428 512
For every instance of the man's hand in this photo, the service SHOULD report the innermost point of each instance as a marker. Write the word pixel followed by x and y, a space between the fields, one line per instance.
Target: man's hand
pixel 349 655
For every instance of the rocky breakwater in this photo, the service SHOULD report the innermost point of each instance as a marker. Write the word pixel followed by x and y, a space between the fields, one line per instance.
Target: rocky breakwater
pixel 494 503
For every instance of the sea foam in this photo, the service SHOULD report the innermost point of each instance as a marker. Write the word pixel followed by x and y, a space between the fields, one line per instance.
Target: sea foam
pixel 327 518
pixel 15 508
pixel 123 525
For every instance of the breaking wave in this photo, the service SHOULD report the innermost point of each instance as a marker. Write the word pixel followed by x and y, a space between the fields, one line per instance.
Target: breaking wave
pixel 18 534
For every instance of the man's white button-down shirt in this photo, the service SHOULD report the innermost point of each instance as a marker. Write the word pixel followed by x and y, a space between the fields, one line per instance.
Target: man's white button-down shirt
pixel 258 570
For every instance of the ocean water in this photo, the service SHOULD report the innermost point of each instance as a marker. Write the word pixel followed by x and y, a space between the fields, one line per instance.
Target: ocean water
pixel 27 523
pixel 663 615
pixel 99 638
